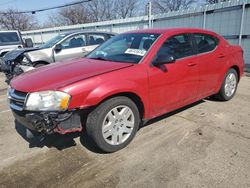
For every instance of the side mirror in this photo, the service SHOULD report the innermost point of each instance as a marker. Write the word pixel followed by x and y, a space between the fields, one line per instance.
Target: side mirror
pixel 28 43
pixel 58 48
pixel 164 59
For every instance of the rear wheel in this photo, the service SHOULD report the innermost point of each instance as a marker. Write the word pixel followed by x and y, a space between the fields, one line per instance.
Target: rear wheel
pixel 229 86
pixel 113 124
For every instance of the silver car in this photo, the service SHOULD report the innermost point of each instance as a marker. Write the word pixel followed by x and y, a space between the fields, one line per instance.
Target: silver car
pixel 63 47
pixel 66 46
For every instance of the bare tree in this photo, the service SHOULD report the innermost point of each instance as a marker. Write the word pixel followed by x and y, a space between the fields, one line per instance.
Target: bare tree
pixel 11 19
pixel 162 6
pixel 101 10
pixel 215 1
pixel 126 8
pixel 76 14
pixel 96 10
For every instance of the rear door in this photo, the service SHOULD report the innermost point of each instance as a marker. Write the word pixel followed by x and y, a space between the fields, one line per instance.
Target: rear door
pixel 176 84
pixel 73 47
pixel 94 40
pixel 210 62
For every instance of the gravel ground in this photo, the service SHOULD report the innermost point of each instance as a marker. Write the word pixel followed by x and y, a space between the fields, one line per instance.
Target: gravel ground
pixel 206 144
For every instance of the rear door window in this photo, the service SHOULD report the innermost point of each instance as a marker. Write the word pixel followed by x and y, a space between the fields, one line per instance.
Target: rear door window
pixel 205 42
pixel 96 39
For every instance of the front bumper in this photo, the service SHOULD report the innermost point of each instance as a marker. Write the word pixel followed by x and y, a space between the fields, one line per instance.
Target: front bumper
pixel 50 122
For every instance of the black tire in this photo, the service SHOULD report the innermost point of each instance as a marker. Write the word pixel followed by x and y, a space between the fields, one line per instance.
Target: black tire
pixel 222 94
pixel 96 117
pixel 39 65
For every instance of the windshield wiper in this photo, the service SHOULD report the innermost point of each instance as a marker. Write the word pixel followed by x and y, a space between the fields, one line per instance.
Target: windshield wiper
pixel 99 58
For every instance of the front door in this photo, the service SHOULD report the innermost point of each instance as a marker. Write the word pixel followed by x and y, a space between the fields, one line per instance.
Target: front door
pixel 175 84
pixel 72 48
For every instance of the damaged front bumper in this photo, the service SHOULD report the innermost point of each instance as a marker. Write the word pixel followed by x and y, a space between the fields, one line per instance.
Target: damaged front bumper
pixel 50 122
pixel 45 122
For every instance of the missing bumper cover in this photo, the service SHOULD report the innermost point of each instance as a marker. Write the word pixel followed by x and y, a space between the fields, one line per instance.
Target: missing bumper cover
pixel 50 122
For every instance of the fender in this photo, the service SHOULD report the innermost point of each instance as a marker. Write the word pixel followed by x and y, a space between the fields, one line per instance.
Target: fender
pixel 233 60
pixel 108 90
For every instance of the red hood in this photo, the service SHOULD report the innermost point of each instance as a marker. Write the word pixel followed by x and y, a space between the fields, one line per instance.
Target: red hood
pixel 57 75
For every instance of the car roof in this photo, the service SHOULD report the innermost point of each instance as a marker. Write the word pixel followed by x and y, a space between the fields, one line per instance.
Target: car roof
pixel 5 31
pixel 93 32
pixel 172 30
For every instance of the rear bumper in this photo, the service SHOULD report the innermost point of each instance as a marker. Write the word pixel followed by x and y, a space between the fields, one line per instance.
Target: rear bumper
pixel 49 122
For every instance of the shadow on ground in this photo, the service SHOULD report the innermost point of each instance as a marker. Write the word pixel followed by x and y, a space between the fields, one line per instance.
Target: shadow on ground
pixel 164 116
pixel 57 141
pixel 61 142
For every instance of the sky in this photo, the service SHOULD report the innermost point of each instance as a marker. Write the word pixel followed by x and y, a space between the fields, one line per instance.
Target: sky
pixel 32 5
pixel 24 5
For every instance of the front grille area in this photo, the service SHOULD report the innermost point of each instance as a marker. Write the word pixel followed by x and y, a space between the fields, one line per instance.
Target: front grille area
pixel 17 99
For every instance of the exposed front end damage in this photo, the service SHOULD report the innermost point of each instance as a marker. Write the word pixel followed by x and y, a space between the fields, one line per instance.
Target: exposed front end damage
pixel 50 122
pixel 46 122
pixel 15 63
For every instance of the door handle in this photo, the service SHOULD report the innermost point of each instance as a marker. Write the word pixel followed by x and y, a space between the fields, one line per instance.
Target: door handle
pixel 191 64
pixel 84 50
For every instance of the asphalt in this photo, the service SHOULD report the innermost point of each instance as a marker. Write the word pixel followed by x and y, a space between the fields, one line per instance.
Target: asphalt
pixel 206 144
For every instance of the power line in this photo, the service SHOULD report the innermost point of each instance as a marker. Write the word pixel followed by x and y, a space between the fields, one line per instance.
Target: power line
pixel 49 8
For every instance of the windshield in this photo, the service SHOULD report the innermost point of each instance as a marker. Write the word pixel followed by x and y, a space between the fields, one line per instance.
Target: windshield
pixel 50 43
pixel 9 38
pixel 129 47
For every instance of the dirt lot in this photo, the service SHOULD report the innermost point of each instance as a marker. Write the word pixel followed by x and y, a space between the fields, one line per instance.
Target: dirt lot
pixel 204 145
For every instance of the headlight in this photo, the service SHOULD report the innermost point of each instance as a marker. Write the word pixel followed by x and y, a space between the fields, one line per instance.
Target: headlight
pixel 47 101
pixel 25 60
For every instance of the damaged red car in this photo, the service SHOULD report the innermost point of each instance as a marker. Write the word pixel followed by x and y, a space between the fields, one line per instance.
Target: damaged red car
pixel 129 79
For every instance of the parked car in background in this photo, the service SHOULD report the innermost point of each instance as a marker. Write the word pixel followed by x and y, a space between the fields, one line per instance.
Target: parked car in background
pixel 60 48
pixel 10 40
pixel 131 78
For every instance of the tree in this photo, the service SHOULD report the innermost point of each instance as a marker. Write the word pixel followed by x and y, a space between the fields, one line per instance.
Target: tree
pixel 101 10
pixel 71 15
pixel 162 6
pixel 126 8
pixel 215 1
pixel 94 11
pixel 12 19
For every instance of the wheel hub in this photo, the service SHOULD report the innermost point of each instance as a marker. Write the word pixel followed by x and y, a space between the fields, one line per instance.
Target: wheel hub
pixel 118 125
pixel 230 84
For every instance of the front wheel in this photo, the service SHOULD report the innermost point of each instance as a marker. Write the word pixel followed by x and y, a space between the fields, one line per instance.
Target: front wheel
pixel 39 65
pixel 229 86
pixel 113 124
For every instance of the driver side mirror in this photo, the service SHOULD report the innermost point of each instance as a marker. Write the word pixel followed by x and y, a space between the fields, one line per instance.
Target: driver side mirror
pixel 164 59
pixel 28 43
pixel 58 48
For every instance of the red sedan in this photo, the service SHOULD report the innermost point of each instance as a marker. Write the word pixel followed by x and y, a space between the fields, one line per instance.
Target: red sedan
pixel 131 78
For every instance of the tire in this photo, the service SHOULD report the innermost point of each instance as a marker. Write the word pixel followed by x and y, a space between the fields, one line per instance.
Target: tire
pixel 105 125
pixel 39 65
pixel 224 94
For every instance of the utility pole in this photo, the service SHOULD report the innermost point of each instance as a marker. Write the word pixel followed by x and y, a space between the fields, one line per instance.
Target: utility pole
pixel 149 7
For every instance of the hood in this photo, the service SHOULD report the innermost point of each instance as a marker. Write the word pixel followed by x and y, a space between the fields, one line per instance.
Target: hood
pixel 61 74
pixel 12 55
